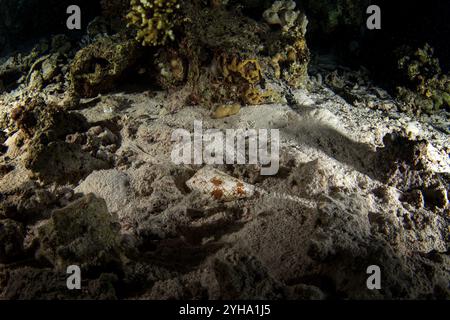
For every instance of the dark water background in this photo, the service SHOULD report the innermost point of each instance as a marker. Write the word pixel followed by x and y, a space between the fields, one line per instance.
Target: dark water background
pixel 414 23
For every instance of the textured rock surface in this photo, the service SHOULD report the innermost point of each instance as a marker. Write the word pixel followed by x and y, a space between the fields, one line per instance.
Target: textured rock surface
pixel 83 233
pixel 90 181
pixel 180 244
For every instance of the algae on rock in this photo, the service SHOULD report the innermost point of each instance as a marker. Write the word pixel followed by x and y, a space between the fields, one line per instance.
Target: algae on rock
pixel 426 88
pixel 98 67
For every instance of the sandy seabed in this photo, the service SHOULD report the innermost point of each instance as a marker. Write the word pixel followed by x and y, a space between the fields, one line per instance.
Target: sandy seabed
pixel 374 184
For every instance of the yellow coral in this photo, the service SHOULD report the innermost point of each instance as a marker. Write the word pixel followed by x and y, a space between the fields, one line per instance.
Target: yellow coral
pixel 293 60
pixel 154 20
pixel 252 96
pixel 244 74
pixel 248 69
pixel 255 96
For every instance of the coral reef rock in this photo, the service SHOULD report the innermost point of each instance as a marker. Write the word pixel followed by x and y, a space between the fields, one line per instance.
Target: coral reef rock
pixel 84 233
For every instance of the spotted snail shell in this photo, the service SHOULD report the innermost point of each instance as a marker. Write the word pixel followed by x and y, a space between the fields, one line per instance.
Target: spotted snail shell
pixel 219 185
